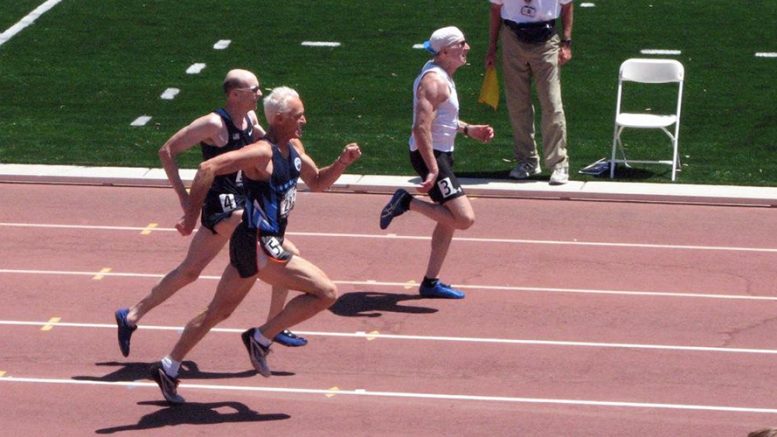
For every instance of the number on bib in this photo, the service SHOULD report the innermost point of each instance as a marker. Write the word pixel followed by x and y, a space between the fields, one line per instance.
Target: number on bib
pixel 446 187
pixel 228 202
pixel 287 204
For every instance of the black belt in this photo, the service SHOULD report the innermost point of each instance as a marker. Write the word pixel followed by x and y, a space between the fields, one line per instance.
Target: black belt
pixel 551 23
pixel 532 33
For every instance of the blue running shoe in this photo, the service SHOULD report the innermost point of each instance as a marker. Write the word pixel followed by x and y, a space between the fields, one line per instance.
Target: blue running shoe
pixel 256 353
pixel 288 338
pixel 397 206
pixel 441 291
pixel 125 330
pixel 166 383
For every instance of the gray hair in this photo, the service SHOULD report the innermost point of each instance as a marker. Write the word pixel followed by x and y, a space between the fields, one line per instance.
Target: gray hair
pixel 278 101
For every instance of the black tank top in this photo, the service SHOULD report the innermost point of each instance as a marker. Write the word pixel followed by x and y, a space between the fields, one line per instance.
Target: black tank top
pixel 228 183
pixel 268 204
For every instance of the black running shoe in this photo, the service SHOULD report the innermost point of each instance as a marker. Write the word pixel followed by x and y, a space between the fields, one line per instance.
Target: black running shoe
pixel 256 352
pixel 395 207
pixel 125 330
pixel 166 383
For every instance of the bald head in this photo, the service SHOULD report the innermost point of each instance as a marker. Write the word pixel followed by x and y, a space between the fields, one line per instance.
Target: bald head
pixel 238 78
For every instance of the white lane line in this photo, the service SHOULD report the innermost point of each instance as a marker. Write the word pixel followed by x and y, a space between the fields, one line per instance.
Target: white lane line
pixel 766 55
pixel 141 121
pixel 376 335
pixel 406 395
pixel 27 20
pixel 320 44
pixel 404 285
pixel 222 44
pixel 426 238
pixel 195 68
pixel 170 93
pixel 660 52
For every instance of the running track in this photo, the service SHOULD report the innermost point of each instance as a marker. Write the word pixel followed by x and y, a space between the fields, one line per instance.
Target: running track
pixel 582 318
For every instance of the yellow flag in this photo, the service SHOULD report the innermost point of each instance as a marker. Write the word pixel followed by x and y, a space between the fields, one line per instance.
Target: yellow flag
pixel 489 92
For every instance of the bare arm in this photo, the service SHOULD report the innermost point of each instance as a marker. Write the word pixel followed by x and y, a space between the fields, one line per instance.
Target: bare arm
pixel 202 129
pixel 247 159
pixel 258 132
pixel 321 179
pixel 567 19
pixel 481 132
pixel 430 93
pixel 494 25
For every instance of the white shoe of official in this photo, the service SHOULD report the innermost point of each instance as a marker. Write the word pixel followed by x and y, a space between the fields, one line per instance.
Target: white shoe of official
pixel 560 176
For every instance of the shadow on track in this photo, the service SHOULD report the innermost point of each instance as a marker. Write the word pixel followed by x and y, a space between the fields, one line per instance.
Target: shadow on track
pixel 372 303
pixel 193 413
pixel 132 371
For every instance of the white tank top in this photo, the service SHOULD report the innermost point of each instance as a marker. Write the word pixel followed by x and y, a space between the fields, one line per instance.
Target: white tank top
pixel 446 123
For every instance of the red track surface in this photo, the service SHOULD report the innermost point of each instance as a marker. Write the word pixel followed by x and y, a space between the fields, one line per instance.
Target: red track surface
pixel 637 334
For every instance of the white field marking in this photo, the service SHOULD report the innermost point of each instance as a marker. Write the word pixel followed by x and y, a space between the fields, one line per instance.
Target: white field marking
pixel 170 94
pixel 222 44
pixel 141 121
pixel 371 336
pixel 406 395
pixel 195 68
pixel 27 20
pixel 425 238
pixel 660 52
pixel 587 5
pixel 418 46
pixel 372 283
pixel 320 44
pixel 766 55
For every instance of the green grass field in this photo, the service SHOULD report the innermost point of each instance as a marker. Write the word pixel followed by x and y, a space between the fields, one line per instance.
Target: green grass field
pixel 71 84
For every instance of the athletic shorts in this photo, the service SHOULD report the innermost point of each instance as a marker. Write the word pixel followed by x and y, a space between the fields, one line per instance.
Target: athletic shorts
pixel 219 207
pixel 246 258
pixel 446 186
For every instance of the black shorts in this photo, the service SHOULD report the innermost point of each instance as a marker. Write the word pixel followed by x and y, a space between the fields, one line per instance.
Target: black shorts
pixel 218 207
pixel 243 253
pixel 446 186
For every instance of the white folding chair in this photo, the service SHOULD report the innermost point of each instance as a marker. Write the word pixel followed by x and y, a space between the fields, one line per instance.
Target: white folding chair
pixel 648 71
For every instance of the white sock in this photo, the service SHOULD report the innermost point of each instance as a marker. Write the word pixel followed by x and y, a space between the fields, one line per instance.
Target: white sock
pixel 170 366
pixel 264 341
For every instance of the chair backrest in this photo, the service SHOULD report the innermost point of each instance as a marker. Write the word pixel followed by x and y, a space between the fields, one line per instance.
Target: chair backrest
pixel 652 70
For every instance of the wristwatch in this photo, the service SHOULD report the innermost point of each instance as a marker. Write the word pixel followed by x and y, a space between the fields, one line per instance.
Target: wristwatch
pixel 566 42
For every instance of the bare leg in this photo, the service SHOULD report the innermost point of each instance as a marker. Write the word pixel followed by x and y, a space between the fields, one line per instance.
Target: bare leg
pixel 456 213
pixel 441 241
pixel 281 293
pixel 231 290
pixel 204 247
pixel 298 274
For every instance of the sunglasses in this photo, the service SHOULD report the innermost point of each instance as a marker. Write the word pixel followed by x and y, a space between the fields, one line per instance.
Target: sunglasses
pixel 254 89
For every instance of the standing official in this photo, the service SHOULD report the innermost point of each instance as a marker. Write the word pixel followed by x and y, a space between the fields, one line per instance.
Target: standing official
pixel 533 49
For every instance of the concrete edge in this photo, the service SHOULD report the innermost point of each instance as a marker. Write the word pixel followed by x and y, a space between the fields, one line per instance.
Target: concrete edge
pixel 574 190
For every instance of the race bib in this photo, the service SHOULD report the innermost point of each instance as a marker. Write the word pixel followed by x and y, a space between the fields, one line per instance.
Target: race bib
pixel 228 202
pixel 273 248
pixel 287 204
pixel 446 188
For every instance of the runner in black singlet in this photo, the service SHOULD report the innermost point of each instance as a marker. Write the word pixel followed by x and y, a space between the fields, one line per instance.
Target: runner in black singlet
pixel 268 205
pixel 222 209
pixel 226 193
pixel 270 168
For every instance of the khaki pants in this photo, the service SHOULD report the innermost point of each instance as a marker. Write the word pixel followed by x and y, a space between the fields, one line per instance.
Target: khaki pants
pixel 521 63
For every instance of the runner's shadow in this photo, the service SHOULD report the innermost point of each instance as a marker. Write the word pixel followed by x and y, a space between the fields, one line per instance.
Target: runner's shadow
pixel 134 371
pixel 372 303
pixel 194 413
